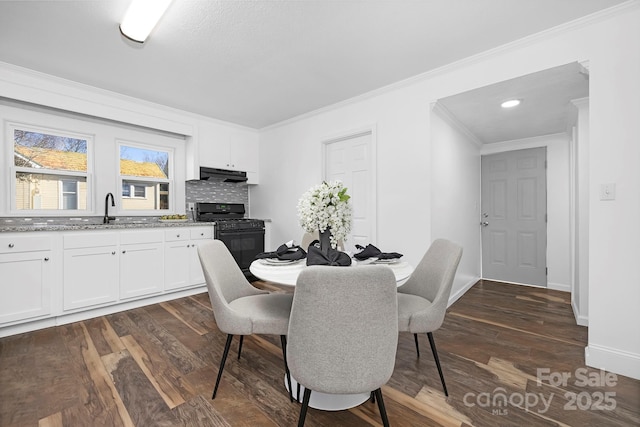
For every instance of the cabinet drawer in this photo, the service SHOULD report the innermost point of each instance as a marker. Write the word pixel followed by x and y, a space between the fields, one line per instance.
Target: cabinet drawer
pixel 176 234
pixel 201 233
pixel 15 244
pixel 134 237
pixel 89 240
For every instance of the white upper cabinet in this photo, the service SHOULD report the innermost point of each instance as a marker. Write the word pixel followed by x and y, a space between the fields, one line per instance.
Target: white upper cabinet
pixel 226 147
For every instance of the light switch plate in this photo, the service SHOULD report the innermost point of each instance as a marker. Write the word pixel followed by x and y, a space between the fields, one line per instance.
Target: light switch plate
pixel 191 206
pixel 608 191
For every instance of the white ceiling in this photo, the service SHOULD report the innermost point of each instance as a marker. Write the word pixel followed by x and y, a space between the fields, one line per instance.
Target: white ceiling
pixel 257 63
pixel 545 107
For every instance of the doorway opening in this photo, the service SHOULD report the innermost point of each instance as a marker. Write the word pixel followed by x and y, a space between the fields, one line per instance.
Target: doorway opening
pixel 546 117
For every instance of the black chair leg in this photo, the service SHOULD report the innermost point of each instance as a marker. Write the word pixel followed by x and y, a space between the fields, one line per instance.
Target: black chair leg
pixel 435 356
pixel 283 342
pixel 298 393
pixel 224 359
pixel 303 408
pixel 372 398
pixel 383 411
pixel 240 346
pixel 415 338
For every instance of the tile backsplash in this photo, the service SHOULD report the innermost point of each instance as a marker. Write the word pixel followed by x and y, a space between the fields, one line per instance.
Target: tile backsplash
pixel 216 191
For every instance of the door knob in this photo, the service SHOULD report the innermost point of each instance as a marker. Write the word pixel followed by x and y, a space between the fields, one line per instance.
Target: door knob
pixel 484 223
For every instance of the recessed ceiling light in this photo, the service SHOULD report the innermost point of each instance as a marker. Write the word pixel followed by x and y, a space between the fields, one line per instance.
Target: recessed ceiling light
pixel 141 17
pixel 510 103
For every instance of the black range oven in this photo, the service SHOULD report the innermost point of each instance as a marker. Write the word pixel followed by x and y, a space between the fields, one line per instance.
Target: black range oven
pixel 244 237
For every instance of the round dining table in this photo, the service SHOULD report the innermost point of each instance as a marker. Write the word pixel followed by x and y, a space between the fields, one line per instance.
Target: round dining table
pixel 286 273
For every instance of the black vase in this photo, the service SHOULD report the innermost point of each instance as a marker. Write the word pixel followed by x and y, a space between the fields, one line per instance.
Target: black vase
pixel 325 240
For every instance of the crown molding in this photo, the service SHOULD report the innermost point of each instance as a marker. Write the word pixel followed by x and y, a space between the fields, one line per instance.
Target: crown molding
pixel 31 86
pixel 521 144
pixel 447 116
pixel 549 33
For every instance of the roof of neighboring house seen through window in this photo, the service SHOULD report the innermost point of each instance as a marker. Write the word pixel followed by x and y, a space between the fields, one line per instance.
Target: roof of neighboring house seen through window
pixel 37 157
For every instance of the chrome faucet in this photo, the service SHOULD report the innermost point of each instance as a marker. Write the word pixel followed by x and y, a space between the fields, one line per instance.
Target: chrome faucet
pixel 108 218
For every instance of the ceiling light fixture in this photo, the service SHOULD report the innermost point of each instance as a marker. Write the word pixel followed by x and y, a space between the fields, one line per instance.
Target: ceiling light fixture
pixel 141 17
pixel 510 103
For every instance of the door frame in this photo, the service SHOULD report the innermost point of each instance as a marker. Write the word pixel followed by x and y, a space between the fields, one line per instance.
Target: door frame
pixel 535 142
pixel 546 211
pixel 373 161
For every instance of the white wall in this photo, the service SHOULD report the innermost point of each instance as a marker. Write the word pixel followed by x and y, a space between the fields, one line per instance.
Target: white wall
pixel 455 196
pixel 40 89
pixel 104 159
pixel 614 229
pixel 290 162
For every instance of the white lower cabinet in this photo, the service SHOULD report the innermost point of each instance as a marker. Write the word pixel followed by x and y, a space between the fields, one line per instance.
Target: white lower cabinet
pixel 90 271
pixel 49 275
pixel 25 277
pixel 141 263
pixel 182 266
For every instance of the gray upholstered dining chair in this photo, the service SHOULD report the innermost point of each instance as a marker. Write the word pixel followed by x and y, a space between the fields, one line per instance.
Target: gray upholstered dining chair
pixel 238 307
pixel 343 331
pixel 423 298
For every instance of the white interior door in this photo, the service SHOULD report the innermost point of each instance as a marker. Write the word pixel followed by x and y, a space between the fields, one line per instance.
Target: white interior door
pixel 514 208
pixel 351 160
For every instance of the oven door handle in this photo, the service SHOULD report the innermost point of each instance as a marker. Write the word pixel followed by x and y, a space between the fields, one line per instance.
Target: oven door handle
pixel 246 231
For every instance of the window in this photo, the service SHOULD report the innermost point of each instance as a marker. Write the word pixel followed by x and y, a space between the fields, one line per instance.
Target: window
pixel 69 193
pixel 131 189
pixel 145 177
pixel 50 169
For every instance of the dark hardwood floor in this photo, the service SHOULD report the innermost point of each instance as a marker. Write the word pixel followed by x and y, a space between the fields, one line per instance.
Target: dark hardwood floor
pixel 504 349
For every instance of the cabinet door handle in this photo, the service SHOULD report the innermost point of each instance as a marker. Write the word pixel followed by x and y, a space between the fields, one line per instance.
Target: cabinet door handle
pixel 124 252
pixel 46 258
pixel 11 245
pixel 113 253
pixel 177 235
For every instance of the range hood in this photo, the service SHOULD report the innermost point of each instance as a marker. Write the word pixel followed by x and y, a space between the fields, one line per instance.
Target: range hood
pixel 222 175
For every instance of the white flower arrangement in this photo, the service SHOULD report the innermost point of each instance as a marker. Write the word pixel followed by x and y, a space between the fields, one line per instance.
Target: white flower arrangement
pixel 326 206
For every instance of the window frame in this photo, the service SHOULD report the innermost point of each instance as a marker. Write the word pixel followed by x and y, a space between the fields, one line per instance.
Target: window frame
pixel 132 186
pixel 10 128
pixel 62 192
pixel 132 179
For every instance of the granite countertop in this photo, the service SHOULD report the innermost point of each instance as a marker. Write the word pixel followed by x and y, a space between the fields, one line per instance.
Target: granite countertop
pixel 54 225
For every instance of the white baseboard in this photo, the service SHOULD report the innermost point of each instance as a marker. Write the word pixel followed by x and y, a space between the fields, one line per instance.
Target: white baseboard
pixel 63 319
pixel 456 296
pixel 613 360
pixel 558 287
pixel 21 328
pixel 581 319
